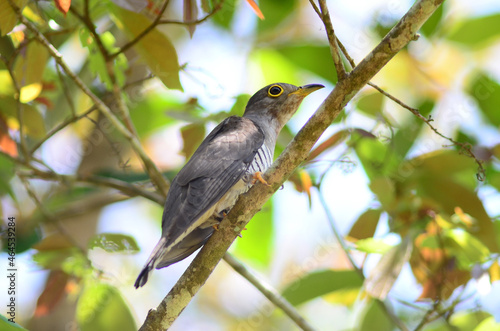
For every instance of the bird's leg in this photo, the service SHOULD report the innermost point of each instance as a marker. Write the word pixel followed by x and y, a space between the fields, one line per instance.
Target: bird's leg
pixel 219 217
pixel 258 177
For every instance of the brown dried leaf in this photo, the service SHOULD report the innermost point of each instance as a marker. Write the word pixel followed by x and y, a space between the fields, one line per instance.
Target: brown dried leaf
pixel 52 293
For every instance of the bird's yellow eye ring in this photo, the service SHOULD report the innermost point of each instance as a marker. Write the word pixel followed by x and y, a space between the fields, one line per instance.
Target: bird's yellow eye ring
pixel 275 91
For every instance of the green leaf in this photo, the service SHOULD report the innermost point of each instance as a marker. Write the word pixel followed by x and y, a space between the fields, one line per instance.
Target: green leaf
pixel 430 26
pixel 371 104
pixel 448 194
pixel 385 189
pixel 374 318
pixel 101 307
pixel 467 249
pixel 430 241
pixel 372 245
pixel 5 325
pixel 239 105
pixel 26 236
pixel 224 17
pixel 34 124
pixel 30 64
pixel 316 59
pixel 443 162
pixel 257 240
pixel 459 321
pixel 155 48
pixel 114 242
pixel 465 321
pixel 6 85
pixel 61 198
pixel 406 136
pixel 148 113
pixel 489 324
pixel 365 225
pixel 486 92
pixel 275 12
pixel 320 283
pixel 8 18
pixel 54 259
pixel 377 159
pixel 7 168
pixel 97 63
pixel 477 30
pixel 69 260
pixel 275 67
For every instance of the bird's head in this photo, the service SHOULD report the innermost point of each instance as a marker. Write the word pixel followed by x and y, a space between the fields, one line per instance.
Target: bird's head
pixel 276 103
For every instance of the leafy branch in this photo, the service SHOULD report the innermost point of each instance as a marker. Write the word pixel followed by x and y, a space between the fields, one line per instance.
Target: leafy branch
pixel 148 164
pixel 295 153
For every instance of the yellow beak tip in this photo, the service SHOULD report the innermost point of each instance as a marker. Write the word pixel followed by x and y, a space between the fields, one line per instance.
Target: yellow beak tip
pixel 308 89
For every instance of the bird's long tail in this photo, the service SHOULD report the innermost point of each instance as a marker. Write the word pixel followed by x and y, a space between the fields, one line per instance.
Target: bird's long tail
pixel 153 260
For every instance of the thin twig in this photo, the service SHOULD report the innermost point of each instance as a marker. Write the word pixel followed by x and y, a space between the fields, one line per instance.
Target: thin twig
pixel 75 117
pixel 148 164
pixel 466 147
pixel 124 187
pixel 198 21
pixel 116 90
pixel 269 292
pixel 87 21
pixel 61 126
pixel 332 39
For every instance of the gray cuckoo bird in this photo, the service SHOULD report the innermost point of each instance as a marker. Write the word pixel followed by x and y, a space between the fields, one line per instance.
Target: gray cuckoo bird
pixel 227 163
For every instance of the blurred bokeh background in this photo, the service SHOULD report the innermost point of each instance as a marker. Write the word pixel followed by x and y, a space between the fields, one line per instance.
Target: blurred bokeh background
pixel 418 212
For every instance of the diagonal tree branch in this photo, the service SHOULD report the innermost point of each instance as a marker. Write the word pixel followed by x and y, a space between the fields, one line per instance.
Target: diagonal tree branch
pixel 296 152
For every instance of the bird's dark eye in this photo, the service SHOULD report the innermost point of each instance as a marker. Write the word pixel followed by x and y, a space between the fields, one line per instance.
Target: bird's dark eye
pixel 275 91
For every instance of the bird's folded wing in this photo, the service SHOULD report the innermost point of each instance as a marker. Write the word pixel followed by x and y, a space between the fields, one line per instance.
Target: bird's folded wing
pixel 217 165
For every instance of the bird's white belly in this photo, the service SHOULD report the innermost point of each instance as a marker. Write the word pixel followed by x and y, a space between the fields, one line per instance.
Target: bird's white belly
pixel 260 163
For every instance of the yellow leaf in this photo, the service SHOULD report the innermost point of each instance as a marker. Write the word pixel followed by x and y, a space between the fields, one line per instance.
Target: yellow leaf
pixel 464 218
pixel 33 16
pixel 6 85
pixel 494 272
pixel 30 92
pixel 345 297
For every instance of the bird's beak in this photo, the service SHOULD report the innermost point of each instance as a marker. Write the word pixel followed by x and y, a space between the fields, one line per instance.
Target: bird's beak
pixel 307 89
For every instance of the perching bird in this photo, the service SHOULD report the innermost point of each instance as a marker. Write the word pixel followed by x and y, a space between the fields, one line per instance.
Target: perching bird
pixel 227 163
